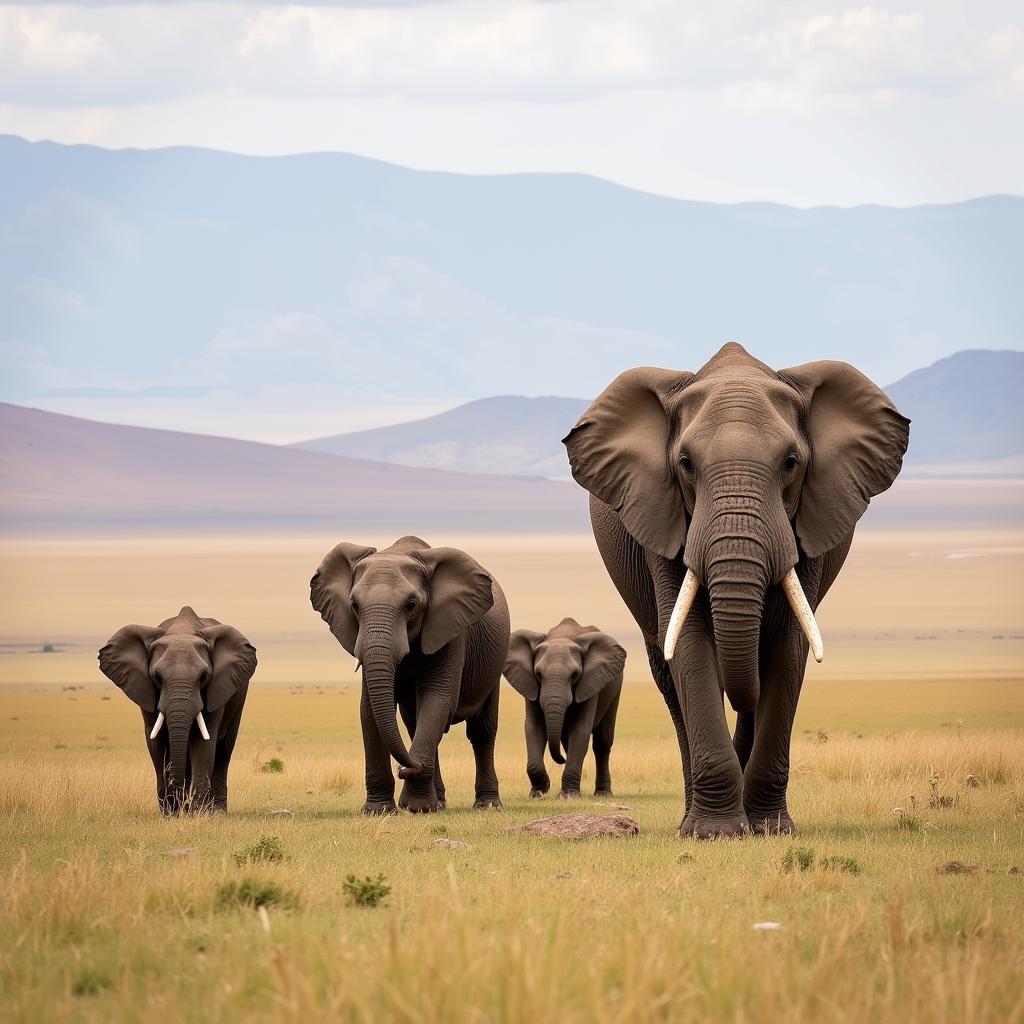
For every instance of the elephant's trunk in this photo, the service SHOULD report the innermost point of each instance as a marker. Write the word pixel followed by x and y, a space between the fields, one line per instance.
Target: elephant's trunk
pixel 554 719
pixel 380 654
pixel 180 705
pixel 742 543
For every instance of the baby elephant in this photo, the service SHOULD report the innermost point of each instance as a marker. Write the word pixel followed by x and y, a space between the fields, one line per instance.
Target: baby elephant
pixel 190 677
pixel 571 678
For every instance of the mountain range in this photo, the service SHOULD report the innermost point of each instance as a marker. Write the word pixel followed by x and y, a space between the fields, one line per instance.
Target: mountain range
pixel 966 412
pixel 194 279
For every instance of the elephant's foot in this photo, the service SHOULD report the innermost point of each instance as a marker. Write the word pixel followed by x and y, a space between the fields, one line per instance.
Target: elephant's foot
pixel 375 807
pixel 537 794
pixel 702 825
pixel 603 794
pixel 771 823
pixel 482 803
pixel 569 794
pixel 428 804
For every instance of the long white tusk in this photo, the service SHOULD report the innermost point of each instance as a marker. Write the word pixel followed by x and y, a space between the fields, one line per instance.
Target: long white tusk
pixel 157 726
pixel 803 613
pixel 202 726
pixel 687 593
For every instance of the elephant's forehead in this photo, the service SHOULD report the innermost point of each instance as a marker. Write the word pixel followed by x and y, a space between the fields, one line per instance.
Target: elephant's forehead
pixel 389 570
pixel 179 648
pixel 747 395
pixel 558 648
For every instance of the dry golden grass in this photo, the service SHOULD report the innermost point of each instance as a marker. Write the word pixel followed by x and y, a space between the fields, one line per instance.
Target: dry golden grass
pixel 99 924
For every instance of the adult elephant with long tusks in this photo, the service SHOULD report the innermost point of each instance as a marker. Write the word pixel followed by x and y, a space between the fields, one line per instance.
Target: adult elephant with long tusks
pixel 724 504
pixel 430 628
pixel 190 677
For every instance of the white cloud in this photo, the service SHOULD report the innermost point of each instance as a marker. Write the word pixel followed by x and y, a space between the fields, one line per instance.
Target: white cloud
pixel 39 41
pixel 41 291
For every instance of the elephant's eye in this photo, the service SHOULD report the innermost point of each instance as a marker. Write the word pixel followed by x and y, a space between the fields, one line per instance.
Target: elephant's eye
pixel 790 463
pixel 686 462
pixel 410 605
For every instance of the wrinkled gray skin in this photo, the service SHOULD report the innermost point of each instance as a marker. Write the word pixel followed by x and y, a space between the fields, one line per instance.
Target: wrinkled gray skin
pixel 571 679
pixel 739 473
pixel 184 666
pixel 430 627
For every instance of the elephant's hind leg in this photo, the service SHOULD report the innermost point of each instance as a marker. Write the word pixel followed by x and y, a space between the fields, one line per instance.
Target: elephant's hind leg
pixel 482 731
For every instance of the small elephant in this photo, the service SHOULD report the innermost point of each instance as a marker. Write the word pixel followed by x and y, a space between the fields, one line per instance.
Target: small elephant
pixel 190 677
pixel 724 504
pixel 430 628
pixel 571 678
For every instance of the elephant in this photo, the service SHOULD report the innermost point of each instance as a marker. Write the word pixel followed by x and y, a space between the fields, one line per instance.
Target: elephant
pixel 724 503
pixel 571 679
pixel 190 677
pixel 430 629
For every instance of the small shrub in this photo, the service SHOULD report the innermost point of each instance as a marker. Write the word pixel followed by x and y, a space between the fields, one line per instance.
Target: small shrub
pixel 822 736
pixel 49 649
pixel 840 862
pixel 973 782
pixel 266 848
pixel 252 893
pixel 906 822
pixel 685 858
pixel 88 981
pixel 273 766
pixel 366 892
pixel 439 830
pixel 798 858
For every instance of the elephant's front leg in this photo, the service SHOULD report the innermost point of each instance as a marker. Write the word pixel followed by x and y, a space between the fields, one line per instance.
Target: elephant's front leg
pixel 581 726
pixel 380 781
pixel 202 758
pixel 716 808
pixel 536 741
pixel 435 705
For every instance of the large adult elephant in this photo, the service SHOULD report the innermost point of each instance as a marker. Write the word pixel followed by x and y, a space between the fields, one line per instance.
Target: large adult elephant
pixel 723 504
pixel 190 677
pixel 430 627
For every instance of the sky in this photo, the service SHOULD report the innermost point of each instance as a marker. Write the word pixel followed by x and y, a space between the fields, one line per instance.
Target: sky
pixel 899 103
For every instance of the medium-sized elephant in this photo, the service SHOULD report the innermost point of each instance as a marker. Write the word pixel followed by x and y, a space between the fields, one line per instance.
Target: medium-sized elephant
pixel 571 678
pixel 430 628
pixel 190 677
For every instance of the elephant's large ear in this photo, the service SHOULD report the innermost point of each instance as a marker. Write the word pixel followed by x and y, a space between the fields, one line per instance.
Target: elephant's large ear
pixel 857 441
pixel 232 663
pixel 603 661
pixel 460 592
pixel 124 660
pixel 330 587
pixel 619 451
pixel 519 663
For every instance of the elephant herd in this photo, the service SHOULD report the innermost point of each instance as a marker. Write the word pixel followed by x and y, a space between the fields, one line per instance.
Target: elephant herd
pixel 723 504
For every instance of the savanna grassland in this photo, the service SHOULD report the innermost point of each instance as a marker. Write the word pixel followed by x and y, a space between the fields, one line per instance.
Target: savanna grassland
pixel 897 901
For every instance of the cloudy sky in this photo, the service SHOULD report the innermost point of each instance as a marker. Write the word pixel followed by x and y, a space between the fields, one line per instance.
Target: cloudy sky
pixel 801 102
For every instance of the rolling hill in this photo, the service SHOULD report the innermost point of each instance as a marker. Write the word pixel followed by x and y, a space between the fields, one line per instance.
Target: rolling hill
pixel 968 419
pixel 506 434
pixel 62 473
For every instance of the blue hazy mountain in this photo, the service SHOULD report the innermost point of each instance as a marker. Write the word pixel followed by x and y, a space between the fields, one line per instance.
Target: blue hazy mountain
pixel 965 409
pixel 334 279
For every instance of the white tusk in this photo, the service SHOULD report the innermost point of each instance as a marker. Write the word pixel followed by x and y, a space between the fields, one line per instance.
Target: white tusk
pixel 803 613
pixel 687 593
pixel 202 726
pixel 157 726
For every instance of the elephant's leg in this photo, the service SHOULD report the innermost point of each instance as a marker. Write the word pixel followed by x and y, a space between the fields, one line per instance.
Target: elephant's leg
pixel 434 705
pixel 159 754
pixel 536 741
pixel 665 683
pixel 439 789
pixel 716 808
pixel 482 731
pixel 743 737
pixel 419 793
pixel 380 781
pixel 604 737
pixel 580 728
pixel 222 761
pixel 202 755
pixel 783 662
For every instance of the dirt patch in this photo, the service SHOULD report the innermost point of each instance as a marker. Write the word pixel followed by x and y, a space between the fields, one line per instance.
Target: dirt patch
pixel 958 867
pixel 580 826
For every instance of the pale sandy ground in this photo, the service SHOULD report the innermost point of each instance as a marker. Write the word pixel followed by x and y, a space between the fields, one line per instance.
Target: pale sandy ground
pixel 908 606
